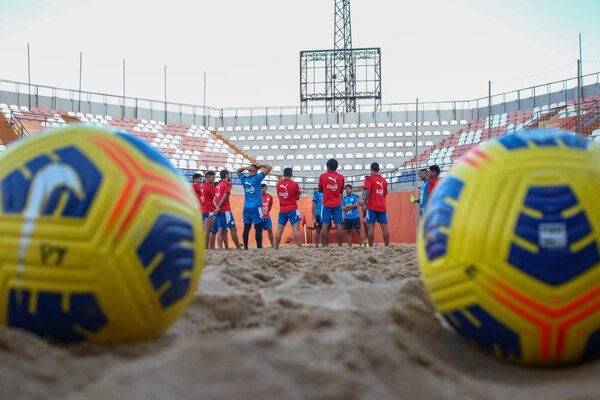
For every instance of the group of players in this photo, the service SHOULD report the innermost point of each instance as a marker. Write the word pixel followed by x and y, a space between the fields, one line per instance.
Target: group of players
pixel 330 206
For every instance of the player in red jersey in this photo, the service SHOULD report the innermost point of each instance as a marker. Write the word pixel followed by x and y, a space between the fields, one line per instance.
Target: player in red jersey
pixel 224 215
pixel 267 203
pixel 375 197
pixel 434 178
pixel 288 192
pixel 197 187
pixel 331 184
pixel 207 194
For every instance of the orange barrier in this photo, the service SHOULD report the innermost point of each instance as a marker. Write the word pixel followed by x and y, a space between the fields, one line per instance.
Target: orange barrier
pixel 401 219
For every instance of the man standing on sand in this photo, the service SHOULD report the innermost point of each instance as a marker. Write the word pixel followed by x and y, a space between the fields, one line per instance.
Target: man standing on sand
pixel 317 207
pixel 253 200
pixel 267 203
pixel 288 192
pixel 422 200
pixel 331 184
pixel 376 187
pixel 350 207
pixel 224 215
pixel 207 195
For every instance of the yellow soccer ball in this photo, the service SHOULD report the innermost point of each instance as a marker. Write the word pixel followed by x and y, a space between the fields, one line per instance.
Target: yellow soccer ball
pixel 100 237
pixel 509 247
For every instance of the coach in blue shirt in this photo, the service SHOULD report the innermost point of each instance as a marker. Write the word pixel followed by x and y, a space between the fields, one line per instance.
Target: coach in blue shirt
pixel 317 207
pixel 350 204
pixel 422 200
pixel 253 200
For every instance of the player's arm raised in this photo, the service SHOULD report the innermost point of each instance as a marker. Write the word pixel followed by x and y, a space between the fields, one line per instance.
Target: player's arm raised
pixel 241 170
pixel 265 168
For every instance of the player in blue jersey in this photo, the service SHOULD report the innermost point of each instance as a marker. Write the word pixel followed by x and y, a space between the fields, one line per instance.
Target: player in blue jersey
pixel 350 207
pixel 422 200
pixel 317 206
pixel 251 182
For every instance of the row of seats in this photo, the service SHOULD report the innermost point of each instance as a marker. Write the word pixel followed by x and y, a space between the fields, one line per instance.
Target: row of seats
pixel 312 146
pixel 447 152
pixel 340 156
pixel 187 146
pixel 351 135
pixel 338 126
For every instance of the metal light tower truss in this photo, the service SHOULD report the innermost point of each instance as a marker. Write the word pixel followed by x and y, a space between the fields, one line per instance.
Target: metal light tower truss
pixel 342 76
pixel 317 71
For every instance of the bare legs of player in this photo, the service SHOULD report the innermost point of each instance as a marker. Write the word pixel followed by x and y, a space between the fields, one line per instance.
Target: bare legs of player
pixel 278 236
pixel 296 230
pixel 384 229
pixel 371 233
pixel 386 234
pixel 208 225
pixel 317 236
pixel 270 235
pixel 340 234
pixel 212 240
pixel 349 234
pixel 325 235
pixel 222 237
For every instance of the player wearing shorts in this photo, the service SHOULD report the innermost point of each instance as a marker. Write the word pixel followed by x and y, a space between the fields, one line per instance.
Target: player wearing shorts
pixel 376 187
pixel 350 207
pixel 207 195
pixel 288 192
pixel 253 200
pixel 317 207
pixel 331 184
pixel 267 203
pixel 224 215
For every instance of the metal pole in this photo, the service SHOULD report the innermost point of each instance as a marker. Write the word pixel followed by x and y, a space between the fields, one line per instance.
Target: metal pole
pixel 80 69
pixel 29 74
pixel 416 166
pixel 204 101
pixel 489 109
pixel 578 94
pixel 580 69
pixel 165 69
pixel 123 116
pixel 417 134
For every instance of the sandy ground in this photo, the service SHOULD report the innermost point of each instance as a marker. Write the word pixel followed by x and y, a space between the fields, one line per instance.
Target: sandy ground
pixel 293 324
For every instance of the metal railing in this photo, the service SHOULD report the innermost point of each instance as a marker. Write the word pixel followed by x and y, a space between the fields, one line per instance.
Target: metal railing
pixel 17 126
pixel 101 103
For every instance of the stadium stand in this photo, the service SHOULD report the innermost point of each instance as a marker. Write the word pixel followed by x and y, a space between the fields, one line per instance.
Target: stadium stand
pixel 355 146
pixel 213 139
pixel 557 116
pixel 188 147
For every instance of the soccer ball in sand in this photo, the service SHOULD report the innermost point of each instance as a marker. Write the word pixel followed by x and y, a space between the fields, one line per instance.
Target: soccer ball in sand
pixel 509 247
pixel 99 236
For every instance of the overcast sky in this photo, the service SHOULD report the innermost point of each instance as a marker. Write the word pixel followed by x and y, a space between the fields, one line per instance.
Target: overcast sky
pixel 434 49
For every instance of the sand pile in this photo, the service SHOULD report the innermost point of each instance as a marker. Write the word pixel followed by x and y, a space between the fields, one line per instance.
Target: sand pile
pixel 291 324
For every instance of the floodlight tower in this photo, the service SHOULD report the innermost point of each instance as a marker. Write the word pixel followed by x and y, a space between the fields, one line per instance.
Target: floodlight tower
pixel 330 76
pixel 344 72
